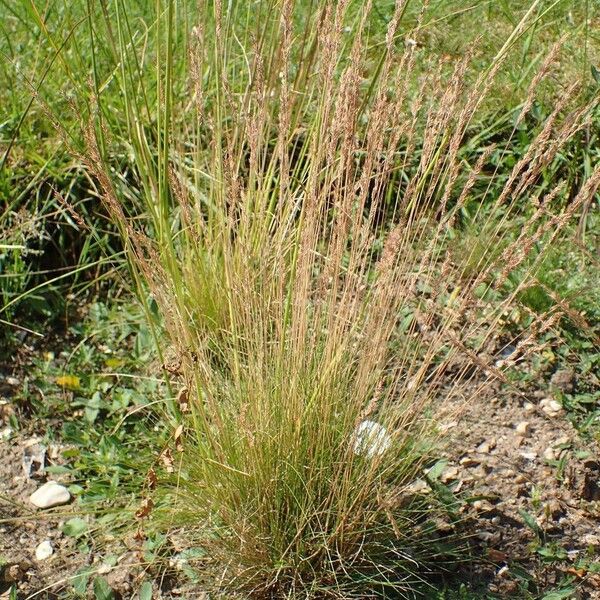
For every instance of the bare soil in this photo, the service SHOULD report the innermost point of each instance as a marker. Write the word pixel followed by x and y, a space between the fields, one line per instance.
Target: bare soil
pixel 524 463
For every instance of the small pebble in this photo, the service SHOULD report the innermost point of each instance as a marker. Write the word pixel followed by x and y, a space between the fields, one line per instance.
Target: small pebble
pixel 104 569
pixel 419 486
pixel 371 439
pixel 528 407
pixel 486 447
pixel 550 453
pixel 482 506
pixel 529 455
pixel 449 474
pixel 49 495
pixel 551 407
pixel 503 572
pixel 523 428
pixel 44 550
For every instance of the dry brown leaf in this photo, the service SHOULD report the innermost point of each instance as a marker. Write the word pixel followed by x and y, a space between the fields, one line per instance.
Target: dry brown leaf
pixel 183 399
pixel 167 460
pixel 177 437
pixel 152 479
pixel 145 508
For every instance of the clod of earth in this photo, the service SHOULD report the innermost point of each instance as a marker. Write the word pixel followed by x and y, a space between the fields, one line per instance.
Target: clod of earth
pixel 49 495
pixel 564 379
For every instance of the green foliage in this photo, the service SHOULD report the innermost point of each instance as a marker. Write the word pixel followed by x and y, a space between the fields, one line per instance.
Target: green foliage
pixel 261 265
pixel 104 409
pixel 102 591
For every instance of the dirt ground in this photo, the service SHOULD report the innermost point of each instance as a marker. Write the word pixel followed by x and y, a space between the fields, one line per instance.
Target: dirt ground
pixel 524 461
pixel 532 487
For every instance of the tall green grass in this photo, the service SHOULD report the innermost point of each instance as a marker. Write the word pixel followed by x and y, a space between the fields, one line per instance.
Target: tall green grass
pixel 52 55
pixel 291 183
pixel 293 218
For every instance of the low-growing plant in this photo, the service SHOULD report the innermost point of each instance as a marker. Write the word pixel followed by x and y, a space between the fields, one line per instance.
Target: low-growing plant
pixel 316 313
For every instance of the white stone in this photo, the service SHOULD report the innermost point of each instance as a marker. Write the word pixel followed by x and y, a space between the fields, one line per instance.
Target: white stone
pixel 529 455
pixel 49 495
pixel 371 439
pixel 503 572
pixel 104 569
pixel 550 453
pixel 44 550
pixel 551 407
pixel 522 428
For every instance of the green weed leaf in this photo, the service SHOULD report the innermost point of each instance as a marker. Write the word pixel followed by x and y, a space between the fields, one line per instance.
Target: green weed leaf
pixel 146 591
pixel 75 527
pixel 560 594
pixel 80 581
pixel 530 521
pixel 437 469
pixel 102 591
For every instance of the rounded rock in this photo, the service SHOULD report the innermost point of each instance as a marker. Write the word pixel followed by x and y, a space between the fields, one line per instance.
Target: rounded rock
pixel 44 550
pixel 49 495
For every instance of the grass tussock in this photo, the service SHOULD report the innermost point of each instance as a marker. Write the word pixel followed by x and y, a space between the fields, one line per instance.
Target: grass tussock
pixel 298 240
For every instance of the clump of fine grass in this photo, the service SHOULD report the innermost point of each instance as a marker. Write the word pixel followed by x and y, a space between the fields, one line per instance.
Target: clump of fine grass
pixel 302 273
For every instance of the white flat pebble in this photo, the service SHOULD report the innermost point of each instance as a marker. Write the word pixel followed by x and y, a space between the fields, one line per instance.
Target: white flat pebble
pixel 44 550
pixel 529 455
pixel 49 495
